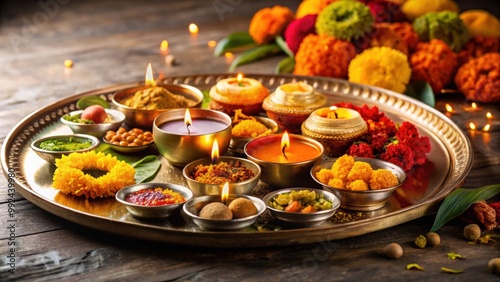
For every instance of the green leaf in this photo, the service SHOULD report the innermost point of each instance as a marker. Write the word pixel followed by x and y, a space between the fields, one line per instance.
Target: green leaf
pixel 459 201
pixel 257 53
pixel 422 91
pixel 86 101
pixel 284 46
pixel 285 66
pixel 146 168
pixel 206 99
pixel 235 42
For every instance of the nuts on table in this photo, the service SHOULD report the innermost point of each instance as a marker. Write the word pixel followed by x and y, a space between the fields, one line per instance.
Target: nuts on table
pixel 472 232
pixel 420 241
pixel 494 266
pixel 393 250
pixel 433 239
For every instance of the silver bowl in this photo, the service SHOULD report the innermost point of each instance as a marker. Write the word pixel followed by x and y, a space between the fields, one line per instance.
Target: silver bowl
pixel 194 206
pixel 128 149
pixel 144 118
pixel 237 144
pixel 239 188
pixel 303 219
pixel 368 200
pixel 51 156
pixel 99 129
pixel 152 212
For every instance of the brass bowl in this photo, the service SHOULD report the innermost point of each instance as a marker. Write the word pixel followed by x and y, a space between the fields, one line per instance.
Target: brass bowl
pixel 193 207
pixel 144 118
pixel 239 188
pixel 98 129
pixel 237 144
pixel 181 149
pixel 152 212
pixel 51 156
pixel 368 200
pixel 298 218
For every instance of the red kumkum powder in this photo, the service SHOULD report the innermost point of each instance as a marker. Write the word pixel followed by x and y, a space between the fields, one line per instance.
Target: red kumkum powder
pixel 155 197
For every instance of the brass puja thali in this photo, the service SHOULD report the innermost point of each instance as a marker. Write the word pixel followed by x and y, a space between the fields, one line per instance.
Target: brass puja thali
pixel 448 163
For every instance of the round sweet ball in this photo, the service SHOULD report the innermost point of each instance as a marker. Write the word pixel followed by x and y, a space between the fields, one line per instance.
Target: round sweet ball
pixel 217 211
pixel 242 207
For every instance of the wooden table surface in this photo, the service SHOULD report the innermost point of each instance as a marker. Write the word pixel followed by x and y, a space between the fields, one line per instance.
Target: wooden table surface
pixel 111 42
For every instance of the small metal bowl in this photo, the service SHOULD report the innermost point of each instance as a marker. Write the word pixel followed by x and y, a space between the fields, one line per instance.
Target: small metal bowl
pixel 99 129
pixel 368 200
pixel 51 156
pixel 303 219
pixel 152 212
pixel 237 144
pixel 239 188
pixel 128 149
pixel 194 206
pixel 144 118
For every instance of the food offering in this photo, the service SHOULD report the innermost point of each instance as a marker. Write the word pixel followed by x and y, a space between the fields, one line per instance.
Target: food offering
pixel 225 211
pixel 302 206
pixel 286 159
pixel 246 128
pixel 334 127
pixel 362 184
pixel 129 141
pixel 292 103
pixel 93 120
pixel 141 105
pixel 51 148
pixel 153 200
pixel 243 93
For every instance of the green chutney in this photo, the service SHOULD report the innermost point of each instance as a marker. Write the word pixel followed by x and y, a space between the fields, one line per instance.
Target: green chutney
pixel 70 144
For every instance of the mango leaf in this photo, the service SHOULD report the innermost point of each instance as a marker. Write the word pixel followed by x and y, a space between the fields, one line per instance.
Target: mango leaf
pixel 422 91
pixel 460 200
pixel 235 42
pixel 284 46
pixel 255 54
pixel 146 168
pixel 286 65
pixel 86 101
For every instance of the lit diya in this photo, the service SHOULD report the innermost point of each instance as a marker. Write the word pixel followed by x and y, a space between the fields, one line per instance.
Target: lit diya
pixel 185 135
pixel 285 159
pixel 292 103
pixel 225 211
pixel 334 127
pixel 240 92
pixel 141 105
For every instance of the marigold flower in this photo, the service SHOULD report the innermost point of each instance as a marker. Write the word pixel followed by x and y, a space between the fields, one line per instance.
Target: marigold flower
pixel 298 29
pixel 479 79
pixel 480 22
pixel 311 7
pixel 361 150
pixel 398 154
pixel 476 47
pixel 406 31
pixel 381 66
pixel 384 35
pixel 323 55
pixel 268 23
pixel 385 11
pixel 345 20
pixel 433 62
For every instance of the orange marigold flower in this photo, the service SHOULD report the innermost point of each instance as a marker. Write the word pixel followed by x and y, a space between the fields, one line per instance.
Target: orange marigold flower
pixel 476 47
pixel 433 62
pixel 268 23
pixel 405 30
pixel 324 55
pixel 311 7
pixel 384 35
pixel 479 79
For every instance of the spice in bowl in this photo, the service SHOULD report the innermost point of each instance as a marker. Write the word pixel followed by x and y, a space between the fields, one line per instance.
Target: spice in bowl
pixel 222 172
pixel 155 197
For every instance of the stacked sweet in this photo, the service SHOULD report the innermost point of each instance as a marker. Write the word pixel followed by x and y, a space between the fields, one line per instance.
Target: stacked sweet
pixel 387 43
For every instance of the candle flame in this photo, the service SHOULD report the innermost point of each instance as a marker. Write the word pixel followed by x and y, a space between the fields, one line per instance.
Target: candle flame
pixel 473 105
pixel 68 63
pixel 472 126
pixel 333 108
pixel 448 108
pixel 489 115
pixel 149 79
pixel 285 142
pixel 225 193
pixel 193 29
pixel 212 43
pixel 487 127
pixel 215 152
pixel 187 120
pixel 164 45
pixel 239 77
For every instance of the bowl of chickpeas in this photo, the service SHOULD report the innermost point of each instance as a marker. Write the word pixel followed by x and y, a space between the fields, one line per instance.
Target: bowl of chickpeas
pixel 129 141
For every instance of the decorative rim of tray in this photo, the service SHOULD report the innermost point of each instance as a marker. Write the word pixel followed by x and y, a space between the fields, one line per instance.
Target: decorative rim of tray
pixel 444 131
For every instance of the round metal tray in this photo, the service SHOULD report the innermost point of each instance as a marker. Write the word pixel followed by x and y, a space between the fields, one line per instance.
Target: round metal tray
pixel 449 163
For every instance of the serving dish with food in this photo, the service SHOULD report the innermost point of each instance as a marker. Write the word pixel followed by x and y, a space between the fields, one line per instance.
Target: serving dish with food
pixel 446 166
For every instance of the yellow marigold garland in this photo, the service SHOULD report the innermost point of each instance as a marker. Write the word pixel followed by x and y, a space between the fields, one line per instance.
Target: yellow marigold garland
pixel 70 178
